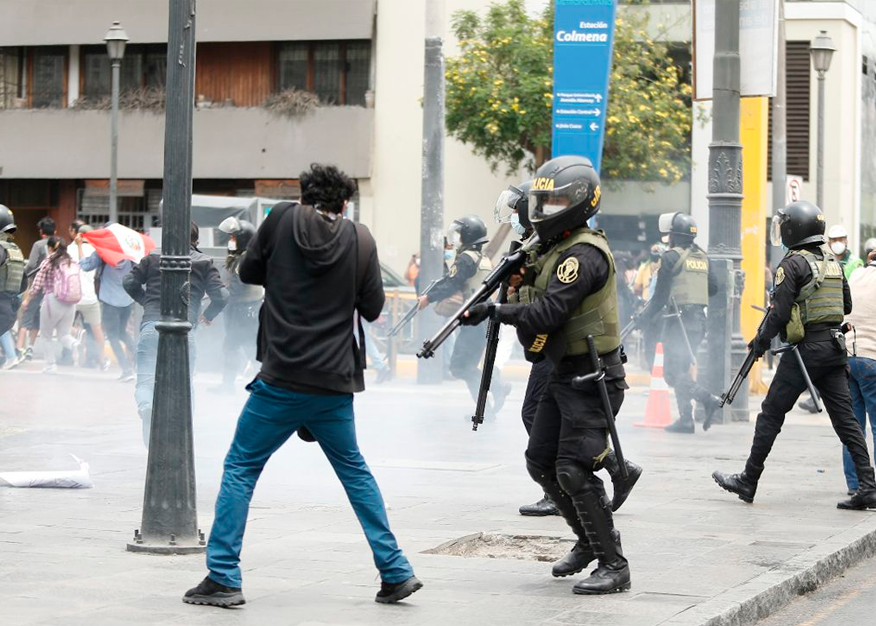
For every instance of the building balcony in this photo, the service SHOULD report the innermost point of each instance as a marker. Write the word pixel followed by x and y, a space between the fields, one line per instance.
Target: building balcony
pixel 244 143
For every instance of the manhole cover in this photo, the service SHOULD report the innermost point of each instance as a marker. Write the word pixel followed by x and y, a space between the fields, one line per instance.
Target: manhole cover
pixel 494 546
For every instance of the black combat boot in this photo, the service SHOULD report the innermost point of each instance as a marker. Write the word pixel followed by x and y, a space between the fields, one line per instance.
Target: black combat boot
pixel 622 488
pixel 542 508
pixel 683 425
pixel 740 484
pixel 713 408
pixel 860 501
pixel 580 557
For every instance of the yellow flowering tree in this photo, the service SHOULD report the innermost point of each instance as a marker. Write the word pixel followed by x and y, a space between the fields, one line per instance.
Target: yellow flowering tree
pixel 499 95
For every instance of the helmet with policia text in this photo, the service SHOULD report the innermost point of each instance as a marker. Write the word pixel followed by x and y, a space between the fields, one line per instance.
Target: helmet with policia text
pixel 467 232
pixel 564 195
pixel 681 227
pixel 242 230
pixel 797 225
pixel 514 201
pixel 7 220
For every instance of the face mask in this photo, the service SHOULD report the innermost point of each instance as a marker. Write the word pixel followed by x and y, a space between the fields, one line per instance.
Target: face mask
pixel 448 255
pixel 232 245
pixel 838 248
pixel 785 248
pixel 519 228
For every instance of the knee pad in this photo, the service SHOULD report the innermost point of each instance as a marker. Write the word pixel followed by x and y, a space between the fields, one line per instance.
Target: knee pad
pixel 539 473
pixel 572 476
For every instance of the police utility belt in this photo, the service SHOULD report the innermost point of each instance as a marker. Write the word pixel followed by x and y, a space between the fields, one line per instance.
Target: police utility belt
pixel 833 334
pixel 581 365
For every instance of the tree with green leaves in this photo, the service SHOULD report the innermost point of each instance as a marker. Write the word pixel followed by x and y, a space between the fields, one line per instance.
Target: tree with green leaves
pixel 500 94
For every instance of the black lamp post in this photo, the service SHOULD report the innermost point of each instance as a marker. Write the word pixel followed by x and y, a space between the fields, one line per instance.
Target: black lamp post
pixel 116 39
pixel 821 50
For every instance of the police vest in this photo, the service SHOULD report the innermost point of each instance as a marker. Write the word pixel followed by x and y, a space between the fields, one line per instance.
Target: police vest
pixel 12 270
pixel 597 313
pixel 821 299
pixel 484 267
pixel 239 290
pixel 690 277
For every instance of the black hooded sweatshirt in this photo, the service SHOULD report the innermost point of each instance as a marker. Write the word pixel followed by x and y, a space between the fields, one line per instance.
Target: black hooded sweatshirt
pixel 308 266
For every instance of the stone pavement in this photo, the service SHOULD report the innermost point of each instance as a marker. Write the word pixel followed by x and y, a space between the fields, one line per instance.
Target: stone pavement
pixel 697 554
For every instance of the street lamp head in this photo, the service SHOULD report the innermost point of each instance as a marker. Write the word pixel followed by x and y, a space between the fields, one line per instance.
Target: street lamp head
pixel 115 39
pixel 821 49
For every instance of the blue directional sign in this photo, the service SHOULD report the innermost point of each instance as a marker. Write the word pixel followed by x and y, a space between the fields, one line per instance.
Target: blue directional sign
pixel 583 39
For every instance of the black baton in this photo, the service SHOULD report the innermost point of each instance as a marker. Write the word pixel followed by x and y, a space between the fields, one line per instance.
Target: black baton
pixel 812 392
pixel 598 377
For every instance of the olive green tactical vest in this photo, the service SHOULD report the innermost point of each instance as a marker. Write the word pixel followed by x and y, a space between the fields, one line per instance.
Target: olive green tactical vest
pixel 484 267
pixel 690 282
pixel 597 313
pixel 13 269
pixel 821 299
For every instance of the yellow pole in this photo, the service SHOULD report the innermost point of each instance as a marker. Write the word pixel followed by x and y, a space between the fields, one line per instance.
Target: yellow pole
pixel 753 134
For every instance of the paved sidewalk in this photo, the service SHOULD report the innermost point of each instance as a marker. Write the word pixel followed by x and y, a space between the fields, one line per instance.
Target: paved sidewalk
pixel 696 553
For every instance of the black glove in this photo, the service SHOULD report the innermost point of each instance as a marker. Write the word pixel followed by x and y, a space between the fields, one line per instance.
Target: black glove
pixel 759 346
pixel 477 314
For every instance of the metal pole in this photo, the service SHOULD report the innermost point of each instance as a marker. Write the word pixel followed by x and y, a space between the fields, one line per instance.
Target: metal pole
pixel 170 519
pixel 114 145
pixel 819 185
pixel 430 371
pixel 780 134
pixel 725 207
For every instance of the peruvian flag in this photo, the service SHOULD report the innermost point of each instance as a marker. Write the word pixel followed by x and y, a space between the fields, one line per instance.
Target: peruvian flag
pixel 116 243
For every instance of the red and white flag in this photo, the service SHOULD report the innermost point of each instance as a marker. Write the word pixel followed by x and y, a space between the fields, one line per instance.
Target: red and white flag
pixel 116 243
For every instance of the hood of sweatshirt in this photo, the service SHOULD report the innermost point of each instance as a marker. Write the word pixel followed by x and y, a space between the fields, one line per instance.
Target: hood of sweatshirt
pixel 321 241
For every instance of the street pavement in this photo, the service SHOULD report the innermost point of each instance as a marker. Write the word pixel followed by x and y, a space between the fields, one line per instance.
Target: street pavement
pixel 695 551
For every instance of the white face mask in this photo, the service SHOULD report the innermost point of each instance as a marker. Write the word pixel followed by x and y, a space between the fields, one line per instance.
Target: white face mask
pixel 519 228
pixel 838 248
pixel 232 245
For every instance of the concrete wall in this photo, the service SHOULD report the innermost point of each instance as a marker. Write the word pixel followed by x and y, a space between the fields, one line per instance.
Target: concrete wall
pixel 53 22
pixel 228 143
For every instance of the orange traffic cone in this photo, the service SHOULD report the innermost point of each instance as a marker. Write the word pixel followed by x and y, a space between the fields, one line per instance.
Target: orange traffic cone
pixel 657 414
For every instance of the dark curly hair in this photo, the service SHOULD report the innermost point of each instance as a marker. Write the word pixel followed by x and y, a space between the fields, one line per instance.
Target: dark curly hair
pixel 326 187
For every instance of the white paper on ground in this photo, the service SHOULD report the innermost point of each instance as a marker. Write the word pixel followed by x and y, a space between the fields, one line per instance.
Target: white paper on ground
pixel 70 479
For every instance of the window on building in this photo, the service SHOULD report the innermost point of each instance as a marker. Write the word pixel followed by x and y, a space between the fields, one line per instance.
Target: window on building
pixel 337 71
pixel 47 88
pixel 11 68
pixel 797 110
pixel 144 66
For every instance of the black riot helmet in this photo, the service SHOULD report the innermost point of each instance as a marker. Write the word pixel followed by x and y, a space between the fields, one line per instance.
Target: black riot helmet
pixel 514 201
pixel 7 220
pixel 242 230
pixel 681 227
pixel 797 225
pixel 564 195
pixel 467 232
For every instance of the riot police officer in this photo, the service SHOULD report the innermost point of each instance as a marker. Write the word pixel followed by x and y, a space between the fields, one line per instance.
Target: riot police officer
pixel 684 284
pixel 811 296
pixel 12 264
pixel 573 295
pixel 512 207
pixel 467 235
pixel 242 312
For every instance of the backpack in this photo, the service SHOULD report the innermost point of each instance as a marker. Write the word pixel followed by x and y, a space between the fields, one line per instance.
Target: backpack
pixel 68 289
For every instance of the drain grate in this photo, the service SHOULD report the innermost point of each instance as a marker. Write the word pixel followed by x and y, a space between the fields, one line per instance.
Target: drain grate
pixel 495 546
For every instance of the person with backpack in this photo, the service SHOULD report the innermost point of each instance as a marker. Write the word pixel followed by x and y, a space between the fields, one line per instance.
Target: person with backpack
pixel 58 281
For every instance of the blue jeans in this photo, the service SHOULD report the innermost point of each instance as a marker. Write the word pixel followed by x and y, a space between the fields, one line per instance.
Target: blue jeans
pixel 147 357
pixel 8 345
pixel 862 385
pixel 269 418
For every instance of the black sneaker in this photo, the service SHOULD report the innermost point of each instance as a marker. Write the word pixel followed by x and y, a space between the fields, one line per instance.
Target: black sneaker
pixel 211 593
pixel 393 592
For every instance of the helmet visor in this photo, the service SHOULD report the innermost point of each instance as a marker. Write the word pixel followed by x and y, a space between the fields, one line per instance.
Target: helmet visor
pixel 776 230
pixel 506 205
pixel 545 203
pixel 454 236
pixel 230 225
pixel 664 222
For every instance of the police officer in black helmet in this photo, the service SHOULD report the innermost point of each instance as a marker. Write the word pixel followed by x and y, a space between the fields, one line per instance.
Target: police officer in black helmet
pixel 12 264
pixel 573 295
pixel 242 312
pixel 513 207
pixel 811 296
pixel 684 284
pixel 467 235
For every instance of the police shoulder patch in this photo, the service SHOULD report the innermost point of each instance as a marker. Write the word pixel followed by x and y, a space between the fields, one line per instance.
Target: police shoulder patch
pixel 453 270
pixel 567 272
pixel 780 276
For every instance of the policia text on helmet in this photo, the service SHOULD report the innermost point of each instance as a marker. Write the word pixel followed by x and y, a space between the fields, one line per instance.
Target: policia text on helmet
pixel 810 299
pixel 563 196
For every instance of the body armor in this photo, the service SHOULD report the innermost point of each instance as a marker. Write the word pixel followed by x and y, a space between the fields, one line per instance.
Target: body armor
pixel 820 301
pixel 690 277
pixel 238 290
pixel 13 269
pixel 484 268
pixel 597 313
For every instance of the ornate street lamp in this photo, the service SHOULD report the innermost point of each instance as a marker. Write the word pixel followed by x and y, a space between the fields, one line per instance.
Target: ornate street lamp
pixel 116 39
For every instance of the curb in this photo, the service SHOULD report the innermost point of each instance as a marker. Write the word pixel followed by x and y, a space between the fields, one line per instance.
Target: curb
pixel 765 594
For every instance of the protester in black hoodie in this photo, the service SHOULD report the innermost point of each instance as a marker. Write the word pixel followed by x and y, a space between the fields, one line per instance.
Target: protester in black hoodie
pixel 321 274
